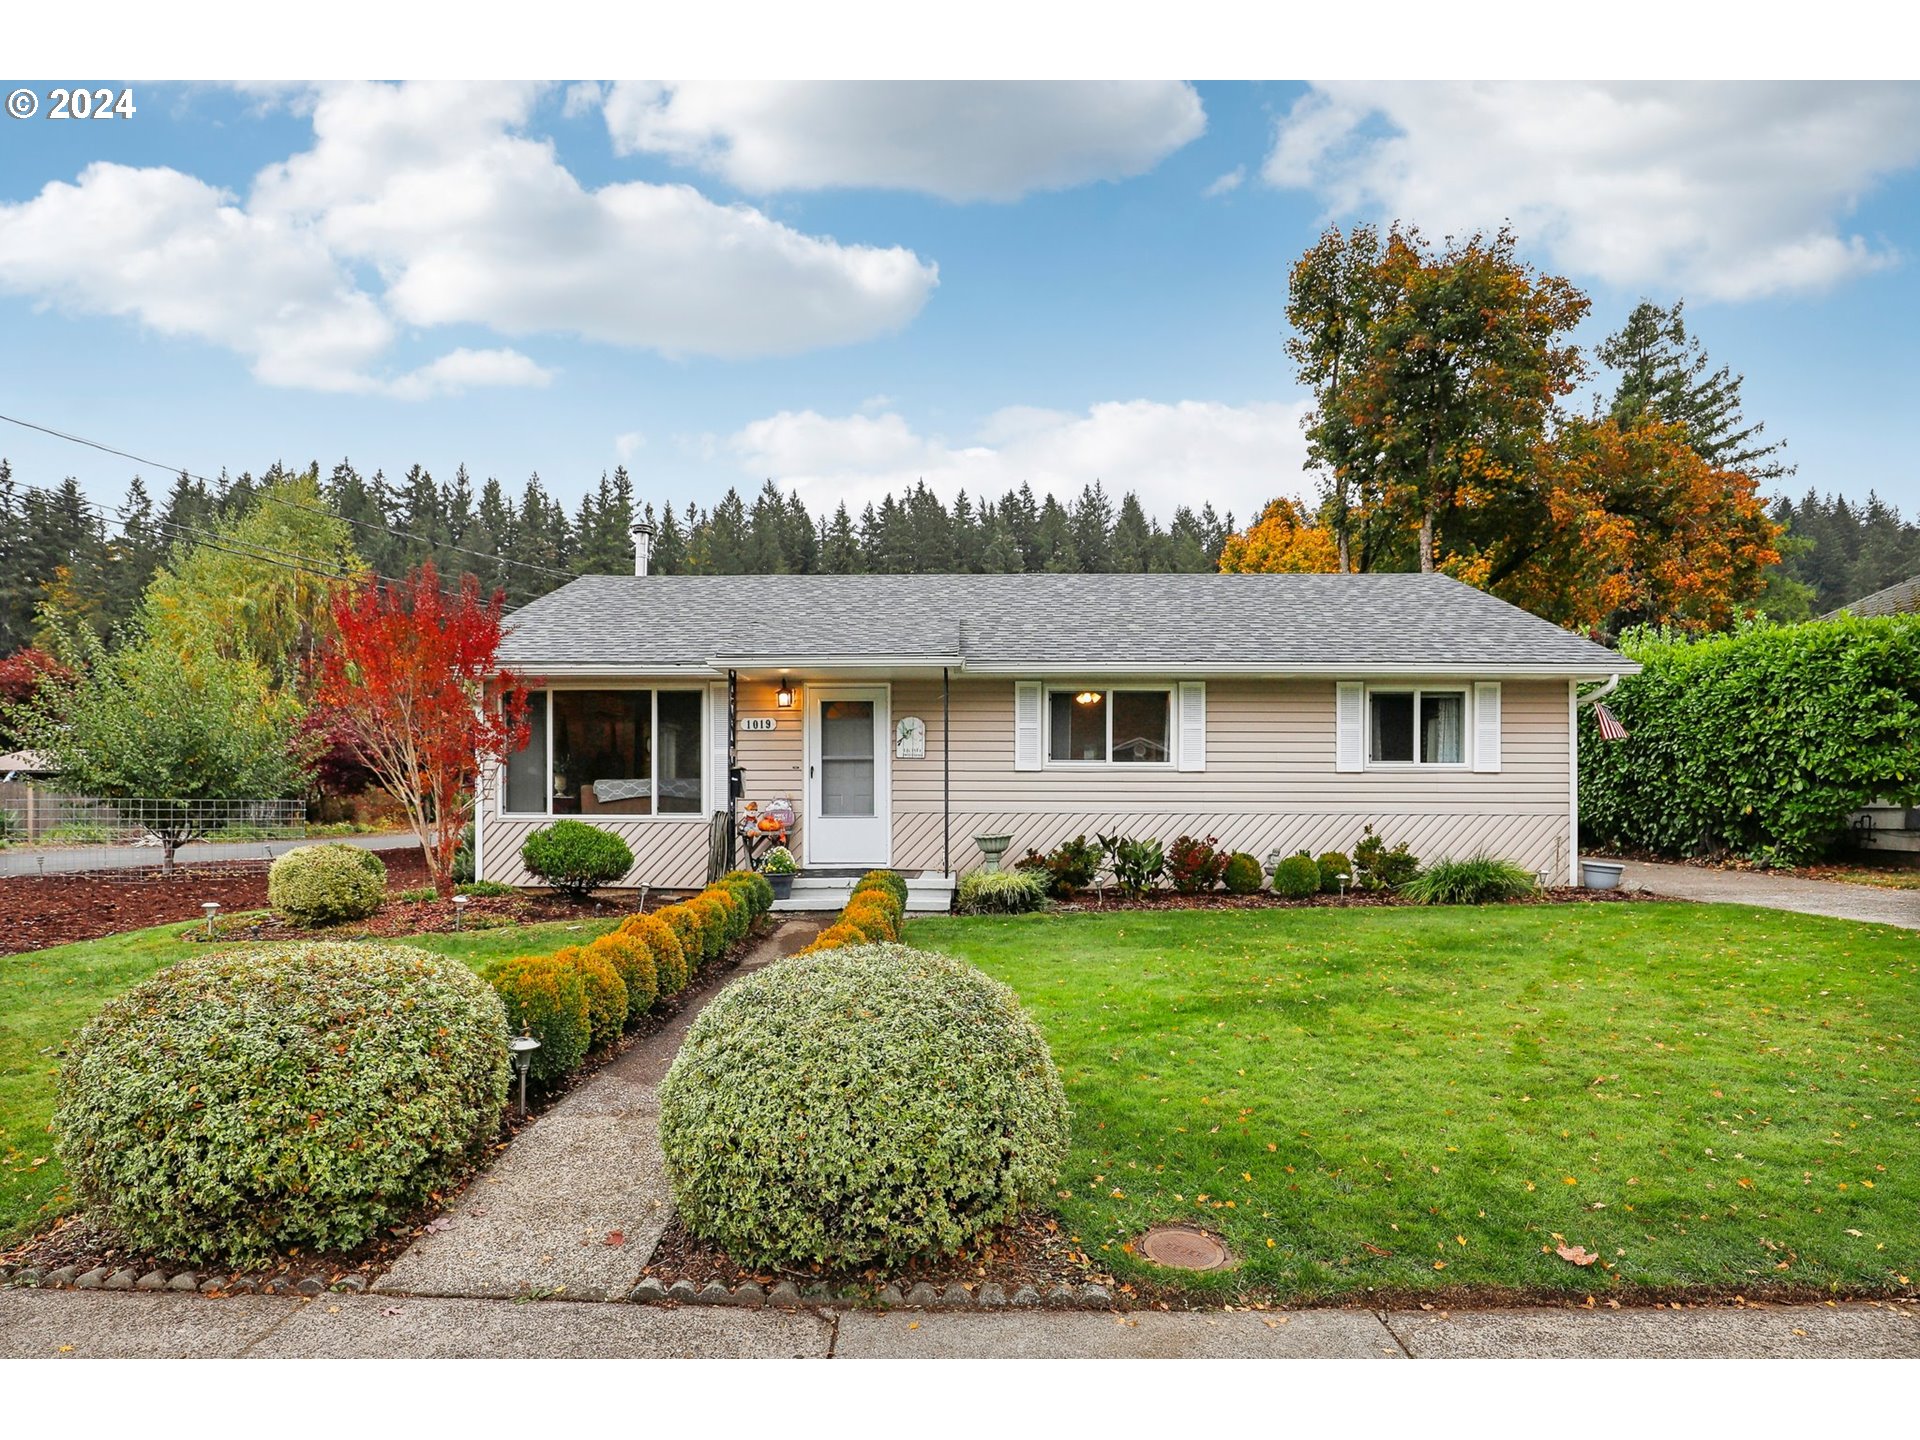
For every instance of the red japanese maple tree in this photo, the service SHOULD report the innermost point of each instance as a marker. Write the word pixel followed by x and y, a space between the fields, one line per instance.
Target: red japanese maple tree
pixel 412 674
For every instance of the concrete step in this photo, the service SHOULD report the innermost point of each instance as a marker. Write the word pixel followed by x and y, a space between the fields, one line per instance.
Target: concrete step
pixel 926 894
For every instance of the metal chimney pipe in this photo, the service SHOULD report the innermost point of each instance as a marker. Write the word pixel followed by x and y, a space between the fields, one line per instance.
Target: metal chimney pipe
pixel 643 534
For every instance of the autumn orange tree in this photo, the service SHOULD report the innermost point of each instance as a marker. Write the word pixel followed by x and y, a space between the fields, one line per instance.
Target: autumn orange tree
pixel 1438 375
pixel 412 674
pixel 1284 539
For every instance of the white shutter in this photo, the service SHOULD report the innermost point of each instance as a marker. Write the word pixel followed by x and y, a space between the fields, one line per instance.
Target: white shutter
pixel 716 748
pixel 1028 713
pixel 1486 725
pixel 1350 714
pixel 1193 724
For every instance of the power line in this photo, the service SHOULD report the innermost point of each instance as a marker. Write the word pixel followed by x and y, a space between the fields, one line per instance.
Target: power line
pixel 290 504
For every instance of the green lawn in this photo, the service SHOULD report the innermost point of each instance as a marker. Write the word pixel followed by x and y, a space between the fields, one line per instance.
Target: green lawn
pixel 46 995
pixel 1413 1100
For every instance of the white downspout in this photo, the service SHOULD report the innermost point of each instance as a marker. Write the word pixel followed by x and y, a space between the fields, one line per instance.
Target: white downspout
pixel 1613 684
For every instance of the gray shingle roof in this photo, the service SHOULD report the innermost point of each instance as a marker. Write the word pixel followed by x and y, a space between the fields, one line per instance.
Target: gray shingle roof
pixel 1900 598
pixel 1187 622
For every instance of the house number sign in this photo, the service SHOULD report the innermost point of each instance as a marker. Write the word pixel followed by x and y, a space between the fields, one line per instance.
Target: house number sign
pixel 756 722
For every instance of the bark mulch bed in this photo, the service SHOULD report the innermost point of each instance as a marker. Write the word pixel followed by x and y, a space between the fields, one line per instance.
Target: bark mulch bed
pixel 434 917
pixel 1094 901
pixel 38 911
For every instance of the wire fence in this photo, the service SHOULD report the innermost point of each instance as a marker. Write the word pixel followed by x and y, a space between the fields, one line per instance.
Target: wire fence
pixel 45 833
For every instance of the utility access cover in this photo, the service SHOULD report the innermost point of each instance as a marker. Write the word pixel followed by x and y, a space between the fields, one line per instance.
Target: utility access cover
pixel 1183 1247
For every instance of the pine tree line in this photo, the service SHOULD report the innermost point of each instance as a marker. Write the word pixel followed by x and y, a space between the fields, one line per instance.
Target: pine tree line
pixel 94 561
pixel 1845 549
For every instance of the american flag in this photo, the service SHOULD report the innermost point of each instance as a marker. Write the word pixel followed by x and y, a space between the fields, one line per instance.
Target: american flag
pixel 1610 728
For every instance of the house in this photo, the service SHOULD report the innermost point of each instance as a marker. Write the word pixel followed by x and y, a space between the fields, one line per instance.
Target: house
pixel 1900 598
pixel 903 715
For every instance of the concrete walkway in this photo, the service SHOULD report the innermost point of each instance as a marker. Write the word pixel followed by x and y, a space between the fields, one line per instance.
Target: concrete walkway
pixel 77 859
pixel 575 1206
pixel 1777 892
pixel 86 1323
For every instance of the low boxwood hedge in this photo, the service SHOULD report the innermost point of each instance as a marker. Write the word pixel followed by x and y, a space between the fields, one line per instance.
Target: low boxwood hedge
pixel 326 884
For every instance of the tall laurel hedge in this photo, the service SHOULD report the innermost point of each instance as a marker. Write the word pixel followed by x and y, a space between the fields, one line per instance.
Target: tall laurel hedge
pixel 1758 743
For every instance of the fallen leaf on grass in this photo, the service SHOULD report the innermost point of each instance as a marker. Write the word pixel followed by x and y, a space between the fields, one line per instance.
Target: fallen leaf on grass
pixel 1373 1249
pixel 1575 1254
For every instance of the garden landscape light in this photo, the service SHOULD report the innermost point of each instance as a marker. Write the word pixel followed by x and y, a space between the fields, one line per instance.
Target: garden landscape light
pixel 459 909
pixel 210 908
pixel 523 1046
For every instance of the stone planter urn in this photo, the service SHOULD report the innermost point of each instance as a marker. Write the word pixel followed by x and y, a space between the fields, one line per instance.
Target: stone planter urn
pixel 992 847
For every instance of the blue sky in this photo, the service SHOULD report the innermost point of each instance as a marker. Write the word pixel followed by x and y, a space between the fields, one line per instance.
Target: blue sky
pixel 846 287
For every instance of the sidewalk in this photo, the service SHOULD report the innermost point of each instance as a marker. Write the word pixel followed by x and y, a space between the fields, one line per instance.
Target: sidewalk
pixel 1777 892
pixel 84 1323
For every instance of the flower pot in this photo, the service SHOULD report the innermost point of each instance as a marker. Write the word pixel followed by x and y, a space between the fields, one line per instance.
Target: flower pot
pixel 782 885
pixel 1601 874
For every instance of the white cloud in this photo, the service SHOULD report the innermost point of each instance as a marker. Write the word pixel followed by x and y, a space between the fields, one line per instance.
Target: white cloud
pixel 1724 191
pixel 426 204
pixel 461 370
pixel 182 258
pixel 1227 183
pixel 1235 456
pixel 960 140
pixel 628 444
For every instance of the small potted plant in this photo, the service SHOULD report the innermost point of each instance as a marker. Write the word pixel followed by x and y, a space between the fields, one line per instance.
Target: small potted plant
pixel 780 867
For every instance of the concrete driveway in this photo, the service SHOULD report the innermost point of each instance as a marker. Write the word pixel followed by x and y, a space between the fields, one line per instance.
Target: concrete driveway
pixel 1777 892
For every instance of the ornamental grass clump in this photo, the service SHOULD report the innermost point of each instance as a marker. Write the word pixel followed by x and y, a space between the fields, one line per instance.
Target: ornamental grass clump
pixel 1480 880
pixel 860 1107
pixel 547 999
pixel 326 884
pixel 265 1097
pixel 1000 892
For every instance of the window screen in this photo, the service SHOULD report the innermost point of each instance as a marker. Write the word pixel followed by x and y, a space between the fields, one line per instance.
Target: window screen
pixel 1390 729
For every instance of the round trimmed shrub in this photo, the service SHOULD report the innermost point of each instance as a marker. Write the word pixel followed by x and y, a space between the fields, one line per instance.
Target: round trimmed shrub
pixel 547 999
pixel 860 1106
pixel 834 937
pixel 687 930
pixel 1296 877
pixel 1332 866
pixel 739 917
pixel 1243 875
pixel 326 884
pixel 882 899
pixel 669 960
pixel 889 880
pixel 759 889
pixel 606 993
pixel 874 920
pixel 632 960
pixel 271 1096
pixel 710 921
pixel 575 857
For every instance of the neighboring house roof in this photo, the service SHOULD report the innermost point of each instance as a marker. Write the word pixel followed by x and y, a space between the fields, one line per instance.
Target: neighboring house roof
pixel 1902 598
pixel 25 762
pixel 1005 624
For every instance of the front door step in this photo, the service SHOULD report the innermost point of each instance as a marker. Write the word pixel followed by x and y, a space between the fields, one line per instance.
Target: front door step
pixel 814 892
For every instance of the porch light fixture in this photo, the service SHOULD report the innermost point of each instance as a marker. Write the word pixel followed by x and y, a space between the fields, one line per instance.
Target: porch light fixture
pixel 783 697
pixel 1087 697
pixel 522 1046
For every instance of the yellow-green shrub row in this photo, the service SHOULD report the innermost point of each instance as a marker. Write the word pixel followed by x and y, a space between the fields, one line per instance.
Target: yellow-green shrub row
pixel 873 914
pixel 582 997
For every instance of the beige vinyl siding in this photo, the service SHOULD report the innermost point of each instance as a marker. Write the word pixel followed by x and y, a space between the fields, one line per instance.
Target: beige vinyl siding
pixel 1270 782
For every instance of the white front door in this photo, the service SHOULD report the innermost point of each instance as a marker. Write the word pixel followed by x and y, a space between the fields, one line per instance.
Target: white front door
pixel 849 816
